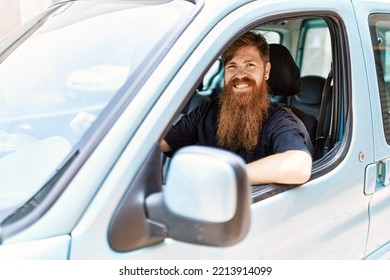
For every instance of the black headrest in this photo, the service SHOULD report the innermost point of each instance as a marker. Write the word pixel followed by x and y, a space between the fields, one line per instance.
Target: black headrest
pixel 284 79
pixel 311 89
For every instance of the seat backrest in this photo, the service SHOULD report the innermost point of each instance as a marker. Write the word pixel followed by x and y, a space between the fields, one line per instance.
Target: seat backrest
pixel 307 105
pixel 309 100
pixel 284 79
pixel 284 82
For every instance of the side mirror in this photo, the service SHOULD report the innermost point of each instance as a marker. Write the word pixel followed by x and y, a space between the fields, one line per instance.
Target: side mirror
pixel 206 199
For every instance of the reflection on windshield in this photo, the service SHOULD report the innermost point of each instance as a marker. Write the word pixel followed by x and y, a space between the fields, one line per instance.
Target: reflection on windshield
pixel 74 63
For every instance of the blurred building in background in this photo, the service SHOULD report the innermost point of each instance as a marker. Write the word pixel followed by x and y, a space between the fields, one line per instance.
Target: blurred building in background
pixel 15 12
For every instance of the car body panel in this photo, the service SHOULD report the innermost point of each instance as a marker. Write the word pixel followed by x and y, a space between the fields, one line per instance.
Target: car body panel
pixel 55 248
pixel 379 212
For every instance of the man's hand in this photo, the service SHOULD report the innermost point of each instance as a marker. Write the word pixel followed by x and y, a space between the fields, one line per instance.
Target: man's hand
pixel 82 122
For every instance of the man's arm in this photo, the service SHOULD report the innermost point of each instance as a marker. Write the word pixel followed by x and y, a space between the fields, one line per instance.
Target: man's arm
pixel 164 146
pixel 290 167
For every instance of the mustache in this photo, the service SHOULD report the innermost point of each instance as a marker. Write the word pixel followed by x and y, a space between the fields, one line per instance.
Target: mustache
pixel 247 80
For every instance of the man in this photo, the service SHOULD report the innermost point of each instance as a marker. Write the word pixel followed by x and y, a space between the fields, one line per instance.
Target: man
pixel 242 120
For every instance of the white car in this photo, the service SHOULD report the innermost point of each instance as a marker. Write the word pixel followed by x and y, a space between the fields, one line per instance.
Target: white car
pixel 89 88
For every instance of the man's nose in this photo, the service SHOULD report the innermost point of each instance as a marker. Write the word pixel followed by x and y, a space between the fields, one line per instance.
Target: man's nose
pixel 240 73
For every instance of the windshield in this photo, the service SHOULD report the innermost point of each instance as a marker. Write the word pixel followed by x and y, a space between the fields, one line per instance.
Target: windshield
pixel 58 76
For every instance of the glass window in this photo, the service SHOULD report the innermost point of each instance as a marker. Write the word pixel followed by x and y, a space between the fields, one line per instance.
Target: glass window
pixel 317 52
pixel 380 37
pixel 272 37
pixel 69 63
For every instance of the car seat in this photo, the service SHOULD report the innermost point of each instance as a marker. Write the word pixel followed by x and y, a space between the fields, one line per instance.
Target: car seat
pixel 309 100
pixel 308 103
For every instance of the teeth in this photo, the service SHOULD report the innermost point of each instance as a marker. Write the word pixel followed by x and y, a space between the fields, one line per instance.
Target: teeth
pixel 241 85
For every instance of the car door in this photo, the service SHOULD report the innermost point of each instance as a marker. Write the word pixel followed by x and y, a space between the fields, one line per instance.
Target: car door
pixel 326 218
pixel 375 31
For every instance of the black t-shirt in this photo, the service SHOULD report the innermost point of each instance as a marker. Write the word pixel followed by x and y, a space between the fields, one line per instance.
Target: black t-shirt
pixel 280 132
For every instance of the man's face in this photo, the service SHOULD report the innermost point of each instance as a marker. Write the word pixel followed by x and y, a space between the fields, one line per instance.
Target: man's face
pixel 245 71
pixel 244 101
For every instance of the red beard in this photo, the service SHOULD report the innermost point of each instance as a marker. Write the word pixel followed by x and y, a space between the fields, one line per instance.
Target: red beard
pixel 241 116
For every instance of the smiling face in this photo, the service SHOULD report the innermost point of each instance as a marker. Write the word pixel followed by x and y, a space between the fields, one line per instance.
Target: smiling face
pixel 246 70
pixel 244 101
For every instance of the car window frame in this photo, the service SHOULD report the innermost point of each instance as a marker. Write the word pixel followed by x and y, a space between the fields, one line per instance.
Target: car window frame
pixel 378 52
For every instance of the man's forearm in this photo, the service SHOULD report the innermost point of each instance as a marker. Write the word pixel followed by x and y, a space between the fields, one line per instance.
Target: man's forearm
pixel 291 167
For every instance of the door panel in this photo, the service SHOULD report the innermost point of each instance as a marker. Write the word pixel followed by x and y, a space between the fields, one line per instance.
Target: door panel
pixel 375 32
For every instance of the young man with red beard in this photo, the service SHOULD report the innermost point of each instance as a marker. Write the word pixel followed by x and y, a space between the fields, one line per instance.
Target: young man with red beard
pixel 243 121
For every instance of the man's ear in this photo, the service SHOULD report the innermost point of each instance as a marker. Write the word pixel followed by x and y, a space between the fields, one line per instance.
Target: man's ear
pixel 267 69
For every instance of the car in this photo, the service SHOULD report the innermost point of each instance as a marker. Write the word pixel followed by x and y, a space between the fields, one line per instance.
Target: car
pixel 89 88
